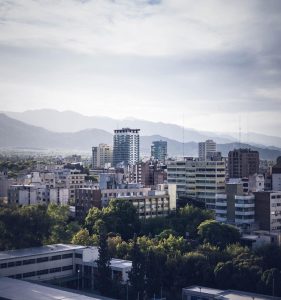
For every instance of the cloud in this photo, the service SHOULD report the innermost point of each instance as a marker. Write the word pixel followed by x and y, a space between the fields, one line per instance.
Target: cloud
pixel 208 59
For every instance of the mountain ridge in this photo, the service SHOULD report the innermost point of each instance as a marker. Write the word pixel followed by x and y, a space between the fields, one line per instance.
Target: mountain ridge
pixel 17 134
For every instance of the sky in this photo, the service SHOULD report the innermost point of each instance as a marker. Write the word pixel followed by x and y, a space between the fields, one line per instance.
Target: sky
pixel 208 65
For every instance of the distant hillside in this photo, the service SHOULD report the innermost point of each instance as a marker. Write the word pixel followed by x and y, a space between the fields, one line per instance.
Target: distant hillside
pixel 14 133
pixel 69 121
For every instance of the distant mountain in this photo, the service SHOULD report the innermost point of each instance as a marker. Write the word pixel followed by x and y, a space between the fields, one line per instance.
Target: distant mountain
pixel 69 121
pixel 14 133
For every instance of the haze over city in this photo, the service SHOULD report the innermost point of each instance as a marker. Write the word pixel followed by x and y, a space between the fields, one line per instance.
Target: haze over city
pixel 214 62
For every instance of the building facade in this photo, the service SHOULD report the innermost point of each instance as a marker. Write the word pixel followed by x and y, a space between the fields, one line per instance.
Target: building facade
pixel 206 149
pixel 268 210
pixel 199 180
pixel 276 175
pixel 243 163
pixel 159 150
pixel 102 156
pixel 126 146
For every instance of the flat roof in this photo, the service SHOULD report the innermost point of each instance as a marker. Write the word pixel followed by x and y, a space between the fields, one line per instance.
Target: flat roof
pixel 202 289
pixel 47 249
pixel 14 289
pixel 239 295
pixel 120 263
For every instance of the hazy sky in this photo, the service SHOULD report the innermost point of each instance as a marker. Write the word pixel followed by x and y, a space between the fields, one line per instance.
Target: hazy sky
pixel 211 61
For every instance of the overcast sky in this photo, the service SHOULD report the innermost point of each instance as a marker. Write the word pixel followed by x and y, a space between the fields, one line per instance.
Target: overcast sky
pixel 211 61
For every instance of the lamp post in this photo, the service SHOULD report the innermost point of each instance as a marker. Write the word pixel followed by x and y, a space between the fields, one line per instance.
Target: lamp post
pixel 78 271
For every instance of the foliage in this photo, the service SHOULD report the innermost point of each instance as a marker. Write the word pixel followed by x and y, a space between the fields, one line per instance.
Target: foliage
pixel 215 233
pixel 104 280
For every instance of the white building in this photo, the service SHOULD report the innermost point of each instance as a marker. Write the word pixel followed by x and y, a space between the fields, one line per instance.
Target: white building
pixel 149 203
pixel 206 149
pixel 256 183
pixel 22 194
pixel 57 261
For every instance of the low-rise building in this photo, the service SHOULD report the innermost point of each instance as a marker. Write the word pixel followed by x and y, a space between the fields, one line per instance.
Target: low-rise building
pixel 57 261
pixel 205 293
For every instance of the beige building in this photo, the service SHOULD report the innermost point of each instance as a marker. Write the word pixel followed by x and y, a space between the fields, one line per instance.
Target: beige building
pixel 200 180
pixel 102 156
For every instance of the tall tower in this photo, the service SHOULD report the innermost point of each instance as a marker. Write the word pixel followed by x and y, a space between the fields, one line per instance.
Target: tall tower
pixel 126 146
pixel 159 150
pixel 206 149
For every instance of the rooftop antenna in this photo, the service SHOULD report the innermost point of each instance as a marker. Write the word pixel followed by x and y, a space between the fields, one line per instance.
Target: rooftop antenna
pixel 183 136
pixel 239 131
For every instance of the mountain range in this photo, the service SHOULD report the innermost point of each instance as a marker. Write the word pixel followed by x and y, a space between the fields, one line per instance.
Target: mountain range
pixel 69 121
pixel 15 133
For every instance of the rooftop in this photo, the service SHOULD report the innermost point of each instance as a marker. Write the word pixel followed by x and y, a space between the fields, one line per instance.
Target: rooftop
pixel 37 250
pixel 14 289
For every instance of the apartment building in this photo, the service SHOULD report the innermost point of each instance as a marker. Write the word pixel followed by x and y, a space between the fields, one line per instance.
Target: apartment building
pixel 276 175
pixel 236 207
pixel 243 163
pixel 102 156
pixel 268 210
pixel 126 147
pixel 85 199
pixel 159 150
pixel 149 203
pixel 206 149
pixel 148 173
pixel 200 180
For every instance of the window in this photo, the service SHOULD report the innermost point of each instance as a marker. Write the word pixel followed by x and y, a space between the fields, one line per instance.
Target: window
pixel 18 263
pixel 3 266
pixel 55 270
pixel 56 257
pixel 11 264
pixel 29 274
pixel 78 255
pixel 68 255
pixel 28 262
pixel 65 268
pixel 42 259
pixel 42 272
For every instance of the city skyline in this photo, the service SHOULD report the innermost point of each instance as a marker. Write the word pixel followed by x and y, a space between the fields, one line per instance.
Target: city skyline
pixel 214 63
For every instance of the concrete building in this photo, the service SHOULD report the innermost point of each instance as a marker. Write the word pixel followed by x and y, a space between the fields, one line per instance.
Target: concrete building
pixel 206 149
pixel 276 175
pixel 205 293
pixel 85 199
pixel 243 163
pixel 148 173
pixel 159 150
pixel 59 196
pixel 268 210
pixel 126 147
pixel 256 183
pixel 58 261
pixel 102 156
pixel 200 180
pixel 149 203
pixel 235 206
pixel 22 194
pixel 5 184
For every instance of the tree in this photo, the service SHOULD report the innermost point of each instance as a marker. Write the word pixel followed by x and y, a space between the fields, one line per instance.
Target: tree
pixel 137 273
pixel 271 280
pixel 82 237
pixel 104 277
pixel 215 233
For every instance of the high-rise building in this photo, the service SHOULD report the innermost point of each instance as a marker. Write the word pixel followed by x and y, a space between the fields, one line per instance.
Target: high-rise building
pixel 102 156
pixel 206 149
pixel 159 150
pixel 276 175
pixel 243 163
pixel 126 146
